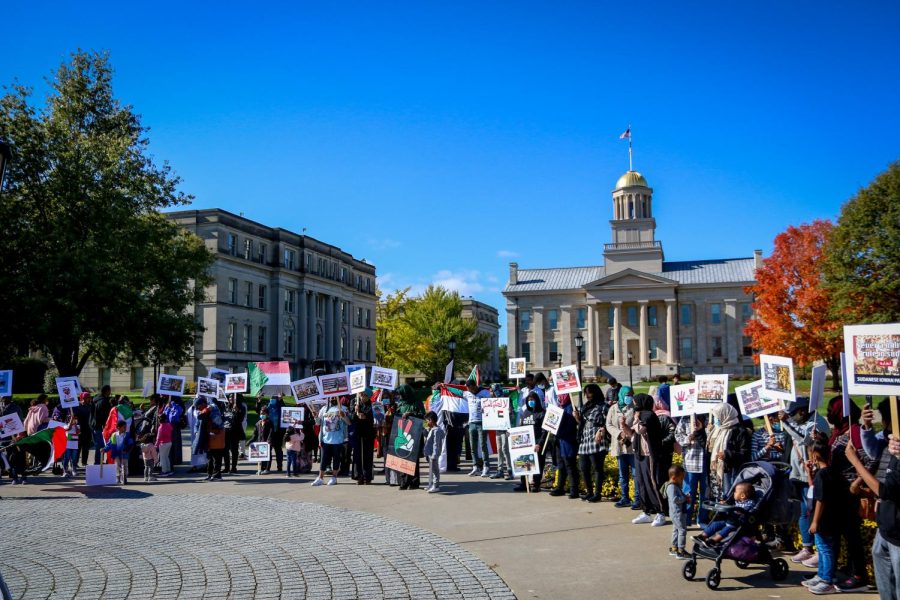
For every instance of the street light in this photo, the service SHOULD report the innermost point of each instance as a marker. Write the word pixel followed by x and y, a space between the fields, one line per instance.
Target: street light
pixel 650 365
pixel 5 157
pixel 579 342
pixel 451 345
pixel 630 377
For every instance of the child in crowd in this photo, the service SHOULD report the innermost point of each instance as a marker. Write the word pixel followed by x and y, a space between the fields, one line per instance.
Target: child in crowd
pixel 433 446
pixel 263 433
pixel 70 458
pixel 829 502
pixel 744 501
pixel 677 502
pixel 164 445
pixel 293 442
pixel 119 445
pixel 150 455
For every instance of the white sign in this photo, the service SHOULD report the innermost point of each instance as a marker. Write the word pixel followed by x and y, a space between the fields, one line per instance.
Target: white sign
pixel 357 380
pixel 10 424
pixel 517 368
pixel 337 384
pixel 753 401
pixel 291 416
pixel 306 390
pixel 711 390
pixel 218 374
pixel 778 377
pixel 235 383
pixel 6 383
pixel 207 387
pixel 552 418
pixel 495 414
pixel 386 379
pixel 68 388
pixel 873 359
pixel 817 388
pixel 448 372
pixel 259 452
pixel 522 453
pixel 170 385
pixel 683 399
pixel 565 380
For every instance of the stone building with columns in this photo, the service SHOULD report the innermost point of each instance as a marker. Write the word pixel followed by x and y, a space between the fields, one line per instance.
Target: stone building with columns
pixel 487 321
pixel 276 295
pixel 668 317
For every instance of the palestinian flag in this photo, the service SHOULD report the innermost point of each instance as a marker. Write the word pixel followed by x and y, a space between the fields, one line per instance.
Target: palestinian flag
pixel 48 445
pixel 475 375
pixel 121 412
pixel 449 400
pixel 268 374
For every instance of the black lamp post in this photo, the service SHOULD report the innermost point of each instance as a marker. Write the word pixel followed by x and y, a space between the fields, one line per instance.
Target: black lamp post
pixel 650 364
pixel 579 342
pixel 5 157
pixel 630 377
pixel 451 345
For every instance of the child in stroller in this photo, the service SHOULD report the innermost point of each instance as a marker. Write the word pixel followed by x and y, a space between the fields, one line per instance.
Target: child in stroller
pixel 760 494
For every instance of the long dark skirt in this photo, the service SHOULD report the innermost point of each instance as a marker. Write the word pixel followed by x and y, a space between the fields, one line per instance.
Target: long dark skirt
pixel 650 499
pixel 175 453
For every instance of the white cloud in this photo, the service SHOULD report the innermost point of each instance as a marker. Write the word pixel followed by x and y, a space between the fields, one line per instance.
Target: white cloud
pixel 507 254
pixel 466 283
pixel 383 243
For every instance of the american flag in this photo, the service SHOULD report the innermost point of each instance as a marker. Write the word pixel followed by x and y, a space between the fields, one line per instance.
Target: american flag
pixel 627 134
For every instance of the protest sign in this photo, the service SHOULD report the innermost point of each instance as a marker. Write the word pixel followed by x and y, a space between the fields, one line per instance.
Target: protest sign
pixel 495 414
pixel 218 374
pixel 817 388
pixel 6 383
pixel 403 445
pixel 778 377
pixel 873 359
pixel 448 372
pixel 517 368
pixel 235 383
pixel 291 416
pixel 170 385
pixel 357 379
pixel 336 384
pixel 565 380
pixel 259 452
pixel 683 399
pixel 754 403
pixel 306 390
pixel 845 389
pixel 68 388
pixel 521 451
pixel 383 378
pixel 10 424
pixel 711 390
pixel 207 387
pixel 552 418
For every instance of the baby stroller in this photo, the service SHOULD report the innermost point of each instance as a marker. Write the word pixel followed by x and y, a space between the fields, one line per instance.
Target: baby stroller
pixel 774 505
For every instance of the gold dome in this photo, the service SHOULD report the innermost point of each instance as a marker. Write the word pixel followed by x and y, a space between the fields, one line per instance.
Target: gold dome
pixel 631 179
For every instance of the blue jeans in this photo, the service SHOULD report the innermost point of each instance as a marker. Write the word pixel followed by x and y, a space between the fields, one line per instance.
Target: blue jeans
pixel 293 462
pixel 626 473
pixel 695 485
pixel 723 528
pixel 98 445
pixel 70 458
pixel 478 443
pixel 805 537
pixel 825 546
pixel 886 560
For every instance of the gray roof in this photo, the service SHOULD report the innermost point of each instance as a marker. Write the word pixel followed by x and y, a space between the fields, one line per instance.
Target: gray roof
pixel 726 270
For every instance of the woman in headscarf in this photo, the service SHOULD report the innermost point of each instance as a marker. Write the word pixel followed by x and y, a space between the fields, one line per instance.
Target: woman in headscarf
pixel 619 414
pixel 667 444
pixel 646 441
pixel 199 441
pixel 364 441
pixel 729 448
pixel 410 406
pixel 566 450
pixel 592 441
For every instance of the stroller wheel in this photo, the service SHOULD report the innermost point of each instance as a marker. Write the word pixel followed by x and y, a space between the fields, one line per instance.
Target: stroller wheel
pixel 742 564
pixel 689 569
pixel 713 578
pixel 779 569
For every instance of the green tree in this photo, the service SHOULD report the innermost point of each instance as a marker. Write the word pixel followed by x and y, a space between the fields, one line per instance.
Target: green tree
pixel 504 362
pixel 93 270
pixel 388 313
pixel 862 269
pixel 418 337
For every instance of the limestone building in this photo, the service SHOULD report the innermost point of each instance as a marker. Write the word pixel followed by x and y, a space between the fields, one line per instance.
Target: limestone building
pixel 276 295
pixel 488 322
pixel 669 317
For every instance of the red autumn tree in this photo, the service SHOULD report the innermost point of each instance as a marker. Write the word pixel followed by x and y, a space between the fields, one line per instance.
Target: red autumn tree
pixel 792 307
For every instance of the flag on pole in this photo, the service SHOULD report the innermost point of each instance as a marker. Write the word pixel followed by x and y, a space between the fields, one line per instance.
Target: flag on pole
pixel 627 134
pixel 268 374
pixel 845 386
pixel 475 375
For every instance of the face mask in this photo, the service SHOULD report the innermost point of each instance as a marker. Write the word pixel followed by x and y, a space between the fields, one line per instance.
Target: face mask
pixel 531 404
pixel 716 421
pixel 629 400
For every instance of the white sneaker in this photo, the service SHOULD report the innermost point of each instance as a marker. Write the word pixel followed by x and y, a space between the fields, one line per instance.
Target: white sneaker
pixel 317 482
pixel 473 472
pixel 659 521
pixel 486 472
pixel 332 481
pixel 433 490
pixel 265 472
pixel 428 489
pixel 642 518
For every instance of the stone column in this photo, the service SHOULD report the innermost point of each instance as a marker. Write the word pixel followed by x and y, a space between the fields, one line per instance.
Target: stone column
pixel 671 351
pixel 511 338
pixel 311 327
pixel 617 334
pixel 328 329
pixel 566 343
pixel 348 346
pixel 303 324
pixel 732 335
pixel 643 333
pixel 590 357
pixel 537 352
pixel 336 311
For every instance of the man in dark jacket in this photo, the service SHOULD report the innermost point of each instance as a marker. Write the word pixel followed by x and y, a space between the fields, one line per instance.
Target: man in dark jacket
pixel 100 412
pixel 612 392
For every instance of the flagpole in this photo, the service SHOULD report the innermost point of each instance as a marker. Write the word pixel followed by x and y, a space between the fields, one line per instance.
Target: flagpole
pixel 630 160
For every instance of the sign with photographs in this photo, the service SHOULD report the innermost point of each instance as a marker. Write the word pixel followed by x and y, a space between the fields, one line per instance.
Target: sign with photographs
pixel 292 416
pixel 873 359
pixel 306 390
pixel 517 368
pixel 386 379
pixel 552 418
pixel 403 445
pixel 336 384
pixel 777 377
pixel 754 403
pixel 207 387
pixel 711 390
pixel 68 388
pixel 218 374
pixel 170 385
pixel 521 451
pixel 357 380
pixel 6 383
pixel 259 452
pixel 565 380
pixel 235 383
pixel 10 424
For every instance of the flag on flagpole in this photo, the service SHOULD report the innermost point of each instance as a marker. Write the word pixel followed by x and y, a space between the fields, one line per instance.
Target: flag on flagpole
pixel 627 134
pixel 475 375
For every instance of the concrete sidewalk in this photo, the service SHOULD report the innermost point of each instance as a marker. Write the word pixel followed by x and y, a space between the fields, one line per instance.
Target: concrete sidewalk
pixel 542 546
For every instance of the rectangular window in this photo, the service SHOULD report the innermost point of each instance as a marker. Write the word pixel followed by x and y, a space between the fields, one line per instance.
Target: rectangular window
pixel 359 317
pixel 526 352
pixel 654 349
pixel 289 258
pixel 232 333
pixel 343 274
pixel 261 300
pixel 525 319
pixel 581 318
pixel 611 317
pixel 632 316
pixel 717 346
pixel 358 349
pixel 232 244
pixel 261 340
pixel 359 282
pixel 554 351
pixel 245 341
pixel 651 316
pixel 746 312
pixel 248 294
pixel 687 349
pixel 369 285
pixel 137 378
pixel 747 346
pixel 687 316
pixel 261 251
pixel 309 263
pixel 553 319
pixel 368 318
pixel 105 375
pixel 248 249
pixel 715 314
pixel 232 291
pixel 368 350
pixel 288 341
pixel 612 350
pixel 289 301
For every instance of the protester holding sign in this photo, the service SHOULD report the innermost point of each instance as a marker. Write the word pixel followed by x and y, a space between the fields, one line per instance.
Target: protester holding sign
pixel 620 413
pixel 566 451
pixel 691 436
pixel 533 415
pixel 333 423
pixel 477 437
pixel 409 406
pixel 592 441
pixel 364 444
pixel 729 448
pixel 646 438
pixel 233 419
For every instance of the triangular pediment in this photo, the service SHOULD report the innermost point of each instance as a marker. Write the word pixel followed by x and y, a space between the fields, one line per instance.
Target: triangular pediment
pixel 630 278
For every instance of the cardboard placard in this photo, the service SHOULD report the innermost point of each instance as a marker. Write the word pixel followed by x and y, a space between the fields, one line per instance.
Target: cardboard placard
pixel 292 416
pixel 259 452
pixel 207 387
pixel 754 403
pixel 778 377
pixel 235 383
pixel 306 390
pixel 495 414
pixel 552 418
pixel 683 399
pixel 403 445
pixel 522 453
pixel 565 380
pixel 68 388
pixel 170 385
pixel 386 379
pixel 873 359
pixel 711 390
pixel 517 368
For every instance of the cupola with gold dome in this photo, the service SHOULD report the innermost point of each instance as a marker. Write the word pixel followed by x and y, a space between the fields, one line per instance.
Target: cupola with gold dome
pixel 634 243
pixel 631 179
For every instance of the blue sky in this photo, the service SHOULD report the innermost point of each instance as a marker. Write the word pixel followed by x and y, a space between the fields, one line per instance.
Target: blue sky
pixel 442 140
